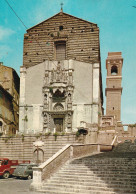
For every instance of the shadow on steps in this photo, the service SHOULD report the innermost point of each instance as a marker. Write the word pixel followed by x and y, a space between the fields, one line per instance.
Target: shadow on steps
pixel 116 168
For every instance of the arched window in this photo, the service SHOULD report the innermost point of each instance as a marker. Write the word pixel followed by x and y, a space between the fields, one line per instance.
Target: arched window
pixel 114 70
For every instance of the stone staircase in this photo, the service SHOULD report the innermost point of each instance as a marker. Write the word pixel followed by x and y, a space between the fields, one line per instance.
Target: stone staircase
pixel 52 146
pixel 23 147
pixel 104 173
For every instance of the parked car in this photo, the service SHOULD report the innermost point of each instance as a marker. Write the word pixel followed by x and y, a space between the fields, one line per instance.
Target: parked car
pixel 24 171
pixel 8 166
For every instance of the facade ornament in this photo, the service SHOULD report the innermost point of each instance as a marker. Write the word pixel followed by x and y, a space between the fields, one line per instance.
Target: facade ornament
pixel 58 107
pixel 57 94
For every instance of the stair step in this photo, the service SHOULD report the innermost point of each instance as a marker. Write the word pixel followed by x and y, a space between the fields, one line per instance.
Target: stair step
pixel 104 173
pixel 96 170
pixel 101 162
pixel 46 191
pixel 102 186
pixel 75 188
pixel 98 182
pixel 84 179
pixel 133 175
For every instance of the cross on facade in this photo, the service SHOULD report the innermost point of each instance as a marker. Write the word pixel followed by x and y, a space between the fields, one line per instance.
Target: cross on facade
pixel 61 7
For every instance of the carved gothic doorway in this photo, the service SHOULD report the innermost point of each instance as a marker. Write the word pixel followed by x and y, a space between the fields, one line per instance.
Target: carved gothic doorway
pixel 58 122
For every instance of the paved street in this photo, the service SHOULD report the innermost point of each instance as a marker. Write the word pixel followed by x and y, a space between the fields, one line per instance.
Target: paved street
pixel 15 186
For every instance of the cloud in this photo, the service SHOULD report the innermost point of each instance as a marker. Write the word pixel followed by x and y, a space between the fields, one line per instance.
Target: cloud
pixel 4 50
pixel 5 32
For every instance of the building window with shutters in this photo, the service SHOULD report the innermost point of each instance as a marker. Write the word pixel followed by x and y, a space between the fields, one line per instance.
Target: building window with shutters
pixel 60 50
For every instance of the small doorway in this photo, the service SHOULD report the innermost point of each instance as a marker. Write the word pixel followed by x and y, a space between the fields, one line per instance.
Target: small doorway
pixel 58 122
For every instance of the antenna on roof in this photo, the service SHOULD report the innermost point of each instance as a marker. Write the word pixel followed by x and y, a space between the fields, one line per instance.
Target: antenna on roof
pixel 61 10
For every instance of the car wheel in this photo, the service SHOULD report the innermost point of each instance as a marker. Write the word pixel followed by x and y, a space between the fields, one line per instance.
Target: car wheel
pixel 6 175
pixel 29 177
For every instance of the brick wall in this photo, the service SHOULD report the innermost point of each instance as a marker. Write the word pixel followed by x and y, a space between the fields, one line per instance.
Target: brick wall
pixel 81 37
pixel 22 147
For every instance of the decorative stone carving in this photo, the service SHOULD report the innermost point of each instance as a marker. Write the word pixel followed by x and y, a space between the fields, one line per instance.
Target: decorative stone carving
pixel 58 87
pixel 45 120
pixel 69 98
pixel 46 78
pixel 59 75
pixel 58 107
pixel 106 121
pixel 45 98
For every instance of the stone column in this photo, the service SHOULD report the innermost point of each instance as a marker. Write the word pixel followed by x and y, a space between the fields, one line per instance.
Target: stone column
pixel 96 88
pixel 22 99
pixel 37 179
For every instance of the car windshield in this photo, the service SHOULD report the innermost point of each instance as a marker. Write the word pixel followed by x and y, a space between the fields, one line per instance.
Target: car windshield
pixel 22 166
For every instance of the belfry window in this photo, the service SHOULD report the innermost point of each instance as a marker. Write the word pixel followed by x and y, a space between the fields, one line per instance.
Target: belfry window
pixel 114 70
pixel 60 50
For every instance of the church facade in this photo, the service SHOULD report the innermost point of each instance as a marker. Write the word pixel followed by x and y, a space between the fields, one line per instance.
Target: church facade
pixel 60 80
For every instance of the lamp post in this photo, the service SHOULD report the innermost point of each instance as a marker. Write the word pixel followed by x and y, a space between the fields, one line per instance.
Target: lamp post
pixel 38 144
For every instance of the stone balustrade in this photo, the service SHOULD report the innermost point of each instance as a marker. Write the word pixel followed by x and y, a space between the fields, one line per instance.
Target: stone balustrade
pixel 68 152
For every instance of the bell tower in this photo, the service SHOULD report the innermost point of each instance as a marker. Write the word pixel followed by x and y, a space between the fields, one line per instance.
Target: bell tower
pixel 113 90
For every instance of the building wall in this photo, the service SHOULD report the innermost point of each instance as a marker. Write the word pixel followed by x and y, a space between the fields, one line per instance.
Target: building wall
pixel 22 148
pixel 6 112
pixel 82 40
pixel 108 132
pixel 85 99
pixel 6 106
pixel 113 106
pixel 34 84
pixel 9 80
pixel 81 67
pixel 6 78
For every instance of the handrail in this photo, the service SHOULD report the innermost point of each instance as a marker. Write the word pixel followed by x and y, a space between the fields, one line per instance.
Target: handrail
pixel 49 167
pixel 114 140
pixel 55 156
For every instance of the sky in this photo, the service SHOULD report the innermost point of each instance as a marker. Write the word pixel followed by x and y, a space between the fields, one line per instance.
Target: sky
pixel 116 20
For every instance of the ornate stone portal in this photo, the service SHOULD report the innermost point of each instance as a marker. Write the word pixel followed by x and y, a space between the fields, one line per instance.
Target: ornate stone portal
pixel 58 92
